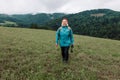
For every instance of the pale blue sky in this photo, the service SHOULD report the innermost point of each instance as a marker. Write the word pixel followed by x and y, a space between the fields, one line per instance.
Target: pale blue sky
pixel 51 6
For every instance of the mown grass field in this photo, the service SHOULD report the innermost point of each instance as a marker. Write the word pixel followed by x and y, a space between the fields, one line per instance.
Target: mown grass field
pixel 30 54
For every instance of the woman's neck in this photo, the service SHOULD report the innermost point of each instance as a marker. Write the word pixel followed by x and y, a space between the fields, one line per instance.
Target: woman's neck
pixel 64 25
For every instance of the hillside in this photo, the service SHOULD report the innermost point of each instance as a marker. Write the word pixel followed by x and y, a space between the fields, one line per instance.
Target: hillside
pixel 5 17
pixel 7 20
pixel 30 54
pixel 25 20
pixel 39 19
pixel 103 23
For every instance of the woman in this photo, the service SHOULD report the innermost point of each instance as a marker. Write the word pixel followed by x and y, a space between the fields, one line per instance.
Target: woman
pixel 64 37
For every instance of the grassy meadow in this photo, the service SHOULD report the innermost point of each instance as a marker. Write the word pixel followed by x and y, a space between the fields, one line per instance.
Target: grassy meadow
pixel 30 54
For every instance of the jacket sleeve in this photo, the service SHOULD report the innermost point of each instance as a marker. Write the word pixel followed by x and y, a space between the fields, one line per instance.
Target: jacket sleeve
pixel 71 37
pixel 57 36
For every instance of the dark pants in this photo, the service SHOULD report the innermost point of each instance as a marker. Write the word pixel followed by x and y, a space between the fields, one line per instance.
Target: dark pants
pixel 65 53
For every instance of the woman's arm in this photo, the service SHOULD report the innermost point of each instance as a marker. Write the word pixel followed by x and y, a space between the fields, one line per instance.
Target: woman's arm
pixel 57 36
pixel 71 37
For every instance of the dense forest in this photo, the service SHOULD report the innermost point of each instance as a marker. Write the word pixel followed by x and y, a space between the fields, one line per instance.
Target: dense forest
pixel 5 17
pixel 38 19
pixel 103 23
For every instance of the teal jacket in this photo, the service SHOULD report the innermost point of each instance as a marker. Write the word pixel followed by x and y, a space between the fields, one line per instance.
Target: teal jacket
pixel 64 36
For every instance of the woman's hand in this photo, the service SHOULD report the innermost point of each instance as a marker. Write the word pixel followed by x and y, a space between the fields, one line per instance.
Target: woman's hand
pixel 72 46
pixel 56 45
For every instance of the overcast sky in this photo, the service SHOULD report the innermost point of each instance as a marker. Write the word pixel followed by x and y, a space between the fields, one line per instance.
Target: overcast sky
pixel 51 6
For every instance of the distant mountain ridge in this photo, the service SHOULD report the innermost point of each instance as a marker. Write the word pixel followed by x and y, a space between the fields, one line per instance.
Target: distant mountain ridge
pixel 27 19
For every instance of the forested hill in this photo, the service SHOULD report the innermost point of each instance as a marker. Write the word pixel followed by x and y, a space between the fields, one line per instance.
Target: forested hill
pixel 5 17
pixel 99 23
pixel 103 23
pixel 25 20
pixel 38 19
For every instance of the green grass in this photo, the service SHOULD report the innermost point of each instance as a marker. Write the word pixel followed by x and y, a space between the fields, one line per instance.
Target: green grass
pixel 30 54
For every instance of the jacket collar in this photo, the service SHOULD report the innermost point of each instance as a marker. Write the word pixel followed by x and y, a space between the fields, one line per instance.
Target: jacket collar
pixel 64 26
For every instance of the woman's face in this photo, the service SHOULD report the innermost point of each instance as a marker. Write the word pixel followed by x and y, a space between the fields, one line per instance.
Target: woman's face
pixel 64 22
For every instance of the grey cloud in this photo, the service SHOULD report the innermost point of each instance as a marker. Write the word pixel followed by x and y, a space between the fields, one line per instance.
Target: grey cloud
pixel 51 6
